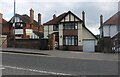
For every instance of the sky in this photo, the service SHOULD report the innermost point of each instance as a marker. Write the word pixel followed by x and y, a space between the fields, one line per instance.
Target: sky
pixel 93 9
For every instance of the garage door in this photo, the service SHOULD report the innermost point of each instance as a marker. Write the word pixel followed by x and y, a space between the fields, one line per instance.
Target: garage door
pixel 88 45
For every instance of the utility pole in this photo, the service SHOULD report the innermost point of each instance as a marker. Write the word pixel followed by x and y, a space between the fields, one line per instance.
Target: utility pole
pixel 14 24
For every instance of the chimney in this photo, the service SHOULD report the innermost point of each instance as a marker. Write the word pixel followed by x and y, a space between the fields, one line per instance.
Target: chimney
pixel 54 16
pixel 1 16
pixel 83 17
pixel 32 15
pixel 39 19
pixel 101 20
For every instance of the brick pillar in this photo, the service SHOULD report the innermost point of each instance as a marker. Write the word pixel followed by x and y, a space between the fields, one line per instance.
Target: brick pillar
pixel 53 41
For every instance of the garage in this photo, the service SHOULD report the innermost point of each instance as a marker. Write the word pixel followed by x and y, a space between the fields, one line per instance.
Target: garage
pixel 88 45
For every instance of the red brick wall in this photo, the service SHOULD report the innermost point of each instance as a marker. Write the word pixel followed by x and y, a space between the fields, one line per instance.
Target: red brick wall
pixel 5 29
pixel 0 18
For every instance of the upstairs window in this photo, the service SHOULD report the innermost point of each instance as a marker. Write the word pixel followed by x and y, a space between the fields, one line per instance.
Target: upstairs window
pixel 70 25
pixel 55 27
pixel 18 25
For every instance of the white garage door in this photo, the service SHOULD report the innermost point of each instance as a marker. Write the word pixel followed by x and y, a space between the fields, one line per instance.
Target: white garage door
pixel 88 45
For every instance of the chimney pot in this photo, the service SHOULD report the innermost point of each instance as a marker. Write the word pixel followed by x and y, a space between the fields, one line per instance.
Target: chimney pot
pixel 101 20
pixel 39 19
pixel 54 16
pixel 83 17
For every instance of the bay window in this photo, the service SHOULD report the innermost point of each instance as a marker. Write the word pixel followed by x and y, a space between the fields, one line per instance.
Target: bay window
pixel 70 40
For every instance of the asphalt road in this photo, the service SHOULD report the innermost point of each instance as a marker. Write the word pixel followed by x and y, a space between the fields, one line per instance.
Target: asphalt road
pixel 34 64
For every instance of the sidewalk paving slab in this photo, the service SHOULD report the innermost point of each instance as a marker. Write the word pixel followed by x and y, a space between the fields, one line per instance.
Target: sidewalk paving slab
pixel 67 54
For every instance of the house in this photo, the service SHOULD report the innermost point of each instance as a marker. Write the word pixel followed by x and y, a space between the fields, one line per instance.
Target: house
pixel 109 31
pixel 68 32
pixel 25 26
pixel 110 27
pixel 5 30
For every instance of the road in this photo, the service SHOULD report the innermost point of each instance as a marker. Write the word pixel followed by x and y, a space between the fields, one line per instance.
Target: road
pixel 21 64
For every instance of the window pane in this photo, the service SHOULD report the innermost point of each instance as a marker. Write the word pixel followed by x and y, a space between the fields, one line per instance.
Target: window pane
pixel 66 40
pixel 55 27
pixel 72 40
pixel 69 41
pixel 76 26
pixel 76 40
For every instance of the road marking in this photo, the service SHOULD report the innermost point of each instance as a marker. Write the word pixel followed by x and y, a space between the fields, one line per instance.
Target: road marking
pixel 60 57
pixel 34 70
pixel 2 68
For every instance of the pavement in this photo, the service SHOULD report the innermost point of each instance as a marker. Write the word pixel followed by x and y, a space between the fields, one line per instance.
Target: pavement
pixel 65 54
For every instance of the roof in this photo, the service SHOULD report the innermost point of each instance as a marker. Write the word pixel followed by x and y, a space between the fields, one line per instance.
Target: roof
pixel 5 23
pixel 26 19
pixel 116 36
pixel 114 20
pixel 40 34
pixel 59 18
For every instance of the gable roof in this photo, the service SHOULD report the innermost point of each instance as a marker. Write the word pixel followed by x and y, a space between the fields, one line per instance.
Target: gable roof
pixel 114 20
pixel 59 18
pixel 26 19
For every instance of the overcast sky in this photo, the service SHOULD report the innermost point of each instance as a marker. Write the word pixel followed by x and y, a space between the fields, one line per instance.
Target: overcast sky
pixel 47 8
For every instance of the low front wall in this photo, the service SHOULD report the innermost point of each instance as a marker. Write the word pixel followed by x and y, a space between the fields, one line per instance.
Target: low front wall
pixel 26 43
pixel 71 48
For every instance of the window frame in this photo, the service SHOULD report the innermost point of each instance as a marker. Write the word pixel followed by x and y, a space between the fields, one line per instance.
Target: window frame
pixel 55 27
pixel 68 40
pixel 70 25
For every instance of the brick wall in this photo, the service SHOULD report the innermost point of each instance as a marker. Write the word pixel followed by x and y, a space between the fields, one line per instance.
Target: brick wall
pixel 105 45
pixel 26 43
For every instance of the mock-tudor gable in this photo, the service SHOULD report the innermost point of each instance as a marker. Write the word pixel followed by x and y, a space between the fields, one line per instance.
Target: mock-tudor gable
pixel 70 17
pixel 63 17
pixel 23 18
